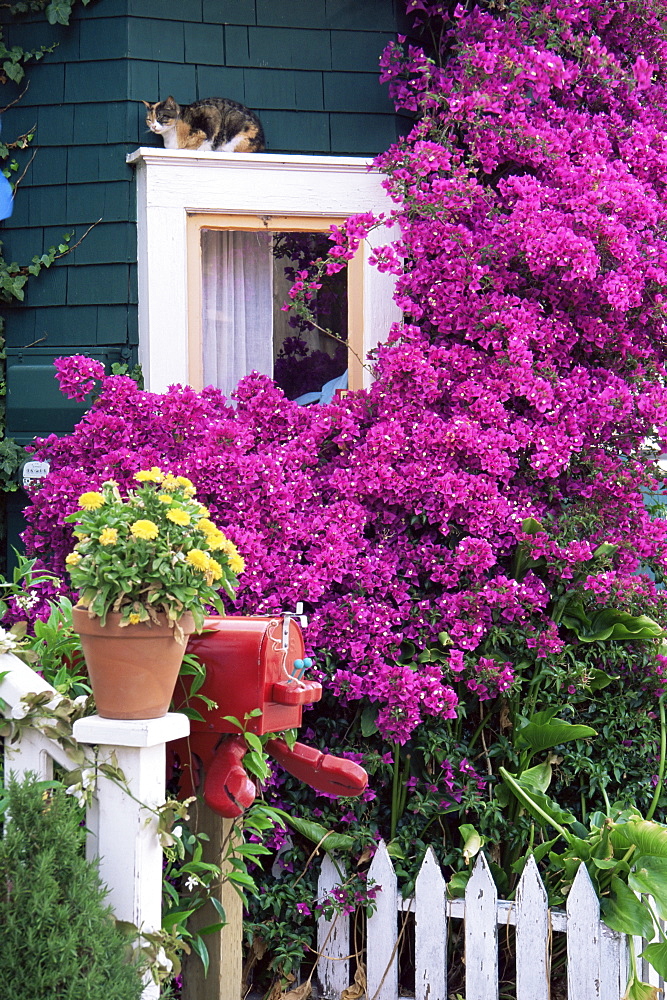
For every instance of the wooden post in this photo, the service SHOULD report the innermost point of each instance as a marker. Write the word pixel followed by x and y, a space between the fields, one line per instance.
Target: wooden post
pixel 223 981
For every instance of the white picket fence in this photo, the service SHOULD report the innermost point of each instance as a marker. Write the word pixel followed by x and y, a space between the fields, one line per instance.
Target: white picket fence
pixel 122 827
pixel 597 960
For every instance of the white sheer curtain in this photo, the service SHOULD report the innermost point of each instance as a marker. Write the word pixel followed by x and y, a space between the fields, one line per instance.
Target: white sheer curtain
pixel 237 319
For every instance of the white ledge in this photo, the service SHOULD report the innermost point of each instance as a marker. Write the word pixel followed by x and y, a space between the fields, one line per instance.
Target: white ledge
pixel 131 732
pixel 258 161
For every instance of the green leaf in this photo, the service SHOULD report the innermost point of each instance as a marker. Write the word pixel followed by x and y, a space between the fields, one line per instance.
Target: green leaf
pixel 472 841
pixel 368 717
pixel 317 833
pixel 542 808
pixel 656 954
pixel 542 734
pixel 650 876
pixel 538 777
pixel 613 624
pixel 174 917
pixel 200 949
pixel 623 912
pixel 645 834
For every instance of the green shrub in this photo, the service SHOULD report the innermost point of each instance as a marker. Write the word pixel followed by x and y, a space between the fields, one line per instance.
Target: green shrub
pixel 58 940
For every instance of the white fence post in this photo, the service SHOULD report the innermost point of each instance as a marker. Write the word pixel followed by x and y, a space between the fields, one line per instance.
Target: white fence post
pixel 532 936
pixel 583 939
pixel 333 936
pixel 481 933
pixel 430 931
pixel 382 934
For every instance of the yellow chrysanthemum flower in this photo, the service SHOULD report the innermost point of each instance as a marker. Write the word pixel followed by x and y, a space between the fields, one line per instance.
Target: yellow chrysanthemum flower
pixel 81 535
pixel 108 536
pixel 235 560
pixel 203 511
pixel 215 539
pixel 169 482
pixel 153 475
pixel 186 485
pixel 198 559
pixel 213 570
pixel 144 529
pixel 178 516
pixel 91 500
pixel 73 558
pixel 165 498
pixel 134 618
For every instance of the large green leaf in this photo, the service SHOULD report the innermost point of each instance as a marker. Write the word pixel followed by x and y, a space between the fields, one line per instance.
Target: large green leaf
pixel 645 834
pixel 542 731
pixel 650 876
pixel 539 805
pixel 623 912
pixel 610 623
pixel 656 954
pixel 319 834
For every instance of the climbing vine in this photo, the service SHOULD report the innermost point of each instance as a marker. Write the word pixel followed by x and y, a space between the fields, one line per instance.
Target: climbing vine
pixel 14 275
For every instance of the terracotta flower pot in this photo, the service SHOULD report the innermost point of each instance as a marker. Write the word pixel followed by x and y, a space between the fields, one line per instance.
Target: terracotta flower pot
pixel 133 669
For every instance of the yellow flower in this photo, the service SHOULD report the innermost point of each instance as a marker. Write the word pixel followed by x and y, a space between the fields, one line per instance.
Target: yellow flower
pixel 73 558
pixel 134 618
pixel 206 525
pixel 215 538
pixel 213 570
pixel 186 485
pixel 81 535
pixel 153 475
pixel 165 498
pixel 178 516
pixel 91 501
pixel 203 511
pixel 169 482
pixel 236 561
pixel 198 559
pixel 108 536
pixel 144 529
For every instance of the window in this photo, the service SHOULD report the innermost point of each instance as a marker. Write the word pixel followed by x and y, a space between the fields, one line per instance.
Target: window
pixel 217 236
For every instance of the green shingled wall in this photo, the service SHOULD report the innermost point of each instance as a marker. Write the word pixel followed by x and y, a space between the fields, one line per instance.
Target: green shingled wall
pixel 308 67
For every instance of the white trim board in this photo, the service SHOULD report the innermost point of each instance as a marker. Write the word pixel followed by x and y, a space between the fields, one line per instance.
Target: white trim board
pixel 171 184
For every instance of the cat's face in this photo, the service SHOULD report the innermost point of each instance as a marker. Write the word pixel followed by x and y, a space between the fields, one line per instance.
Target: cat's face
pixel 161 116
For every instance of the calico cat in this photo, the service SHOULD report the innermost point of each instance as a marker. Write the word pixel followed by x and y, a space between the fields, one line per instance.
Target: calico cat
pixel 215 123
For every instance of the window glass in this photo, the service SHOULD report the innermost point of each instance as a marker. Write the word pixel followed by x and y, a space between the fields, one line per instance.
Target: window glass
pixel 246 277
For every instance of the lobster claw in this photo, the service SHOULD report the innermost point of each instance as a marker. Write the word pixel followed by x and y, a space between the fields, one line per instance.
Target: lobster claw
pixel 228 790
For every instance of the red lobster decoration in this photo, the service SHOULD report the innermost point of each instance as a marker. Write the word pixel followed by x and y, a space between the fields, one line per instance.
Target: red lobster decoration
pixel 253 663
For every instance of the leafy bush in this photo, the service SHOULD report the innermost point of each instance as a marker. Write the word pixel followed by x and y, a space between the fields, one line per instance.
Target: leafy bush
pixel 57 937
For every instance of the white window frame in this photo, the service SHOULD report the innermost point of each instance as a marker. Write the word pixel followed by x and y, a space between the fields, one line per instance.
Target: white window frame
pixel 177 189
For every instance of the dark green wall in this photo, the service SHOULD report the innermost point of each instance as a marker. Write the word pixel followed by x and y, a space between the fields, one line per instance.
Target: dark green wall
pixel 309 67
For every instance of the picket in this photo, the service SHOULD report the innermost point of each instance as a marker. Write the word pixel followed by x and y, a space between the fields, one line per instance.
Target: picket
pixel 333 936
pixel 430 932
pixel 481 933
pixel 583 939
pixel 532 936
pixel 382 930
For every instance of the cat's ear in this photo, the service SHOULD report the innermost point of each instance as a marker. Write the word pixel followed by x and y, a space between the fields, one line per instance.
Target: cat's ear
pixel 170 102
pixel 147 104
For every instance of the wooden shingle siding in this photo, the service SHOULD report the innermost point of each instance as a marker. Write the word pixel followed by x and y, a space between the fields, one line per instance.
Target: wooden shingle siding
pixel 308 67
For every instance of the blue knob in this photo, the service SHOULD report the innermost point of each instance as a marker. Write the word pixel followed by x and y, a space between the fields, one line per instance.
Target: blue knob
pixel 307 662
pixel 299 664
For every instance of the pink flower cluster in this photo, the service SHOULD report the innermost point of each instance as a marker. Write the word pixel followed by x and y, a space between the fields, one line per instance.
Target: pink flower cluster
pixel 529 372
pixel 77 375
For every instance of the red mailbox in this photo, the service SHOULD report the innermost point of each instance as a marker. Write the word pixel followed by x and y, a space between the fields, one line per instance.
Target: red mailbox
pixel 254 662
pixel 251 663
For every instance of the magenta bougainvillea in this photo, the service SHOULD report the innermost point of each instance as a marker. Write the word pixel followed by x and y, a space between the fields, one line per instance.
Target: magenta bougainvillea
pixel 501 460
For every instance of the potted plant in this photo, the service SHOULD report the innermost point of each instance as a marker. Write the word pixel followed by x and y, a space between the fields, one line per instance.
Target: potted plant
pixel 146 568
